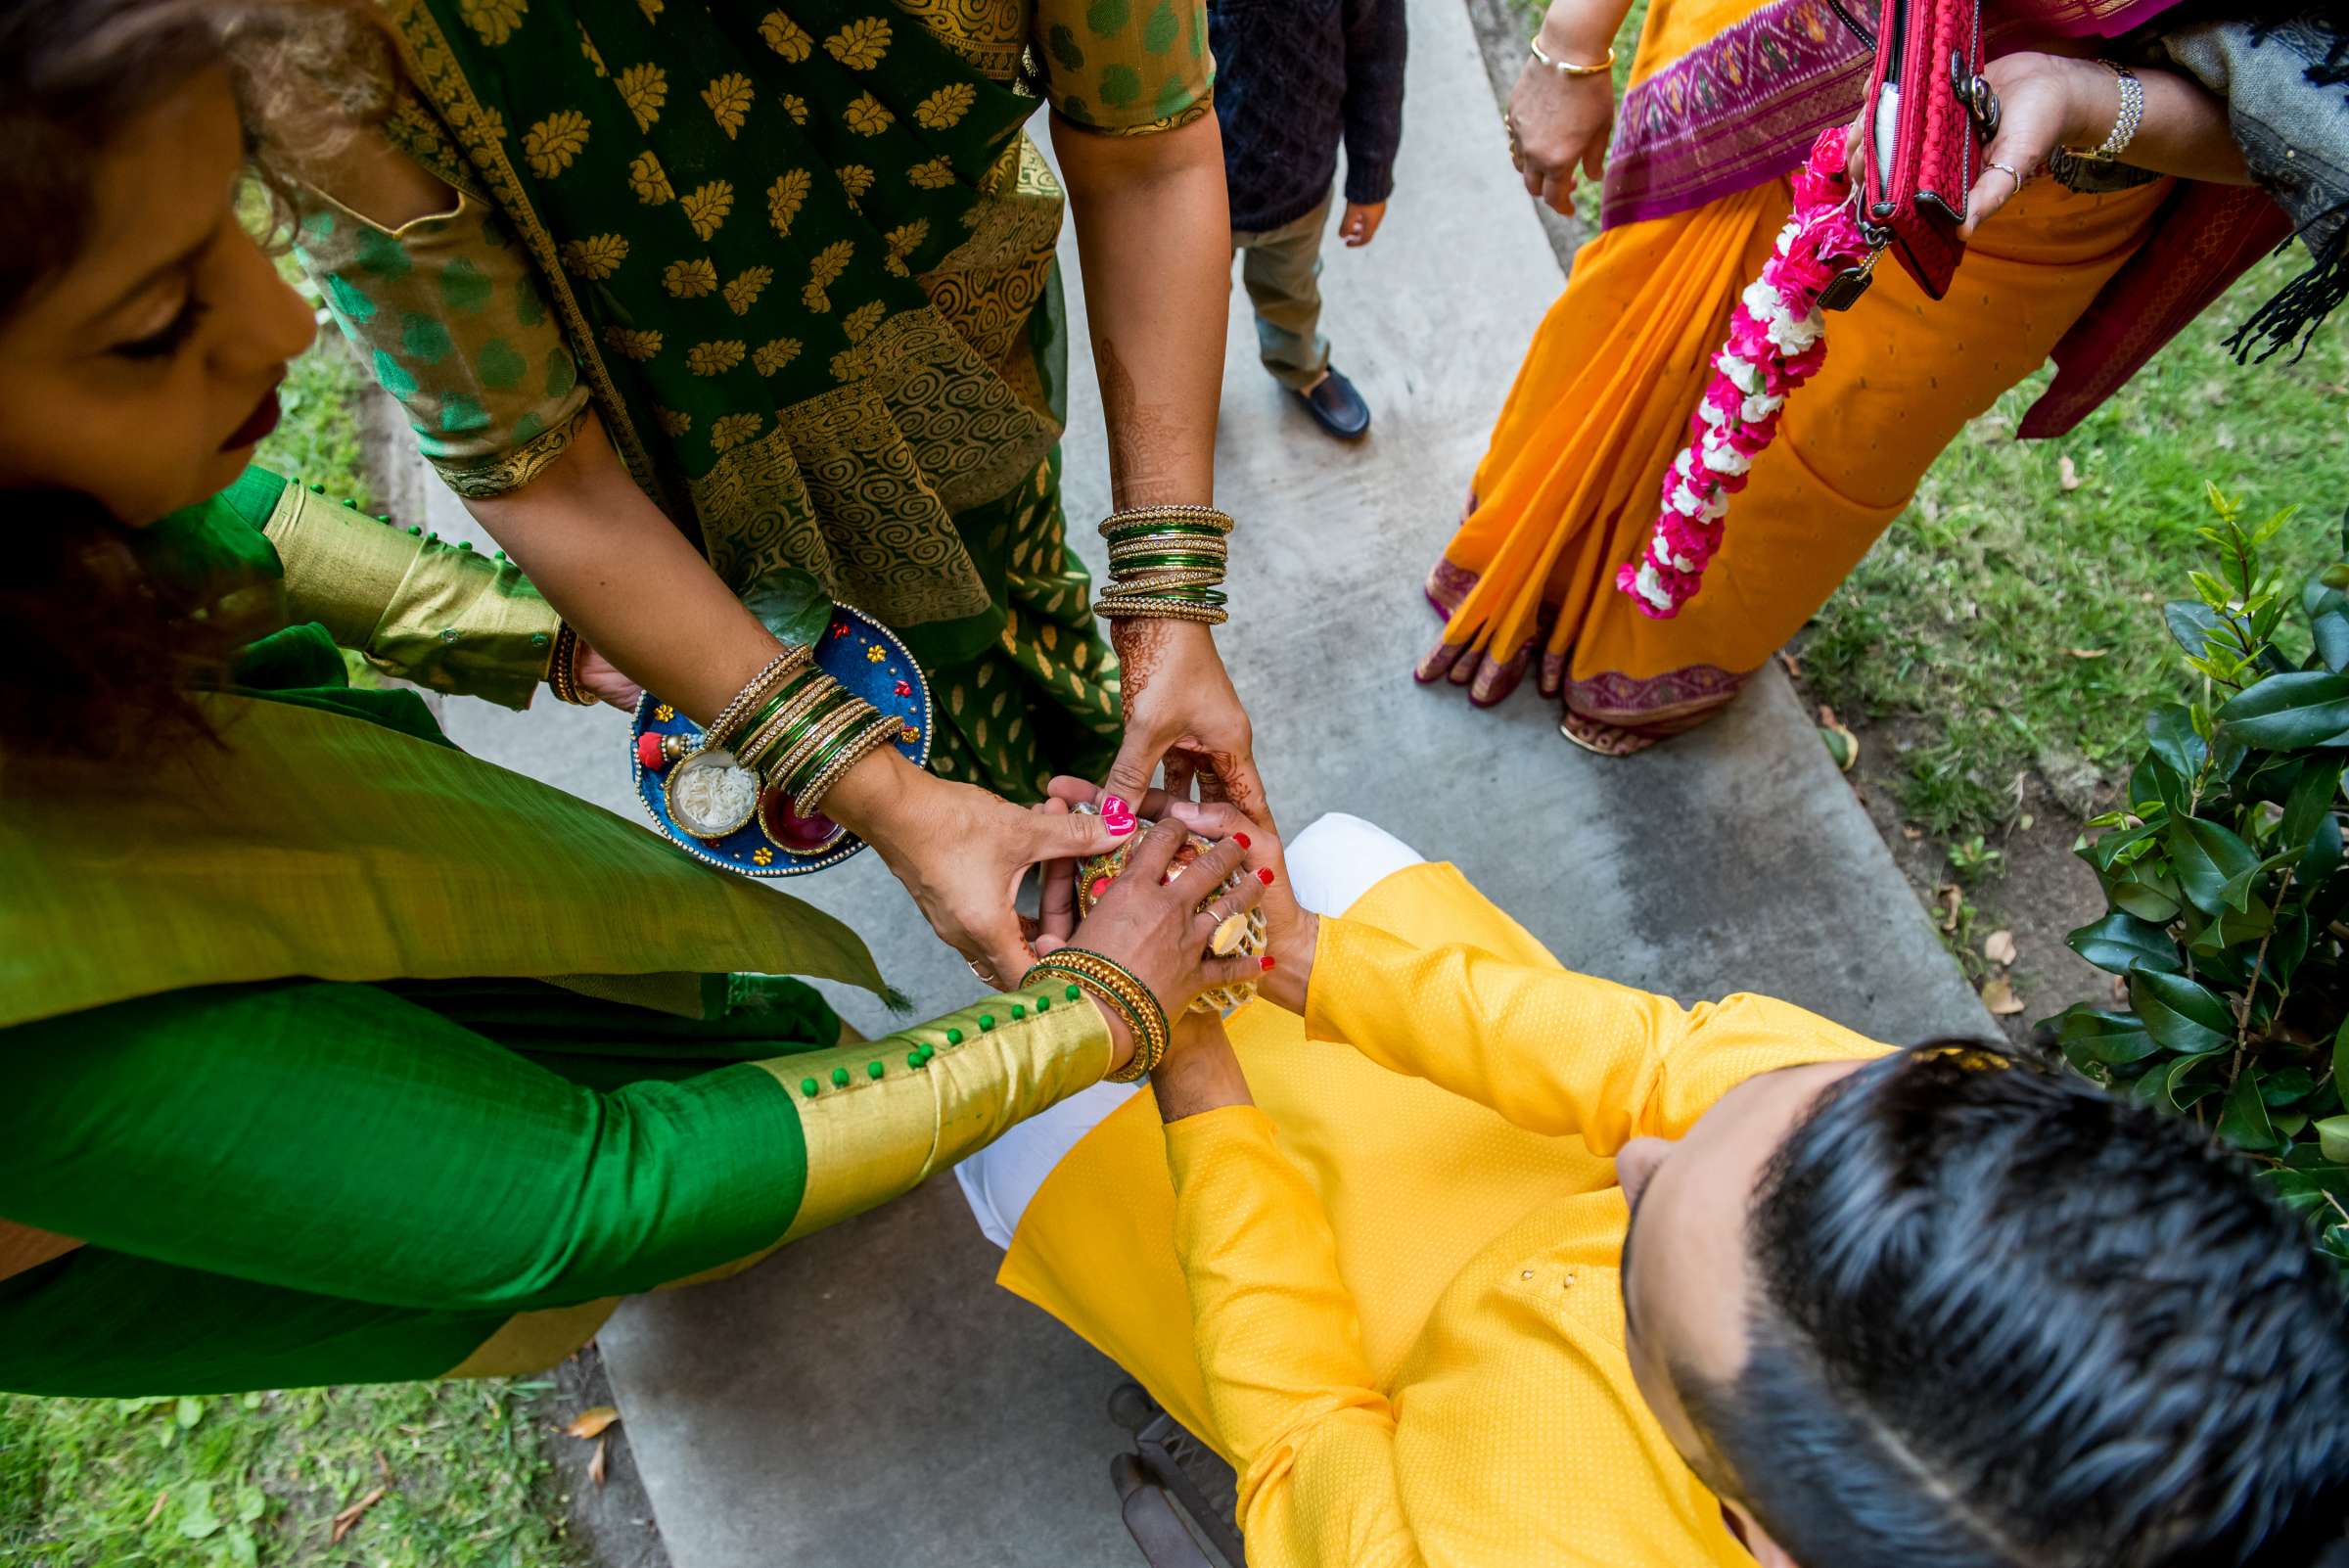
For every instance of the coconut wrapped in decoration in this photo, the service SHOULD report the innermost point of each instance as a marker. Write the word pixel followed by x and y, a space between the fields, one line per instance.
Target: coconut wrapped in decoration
pixel 1243 932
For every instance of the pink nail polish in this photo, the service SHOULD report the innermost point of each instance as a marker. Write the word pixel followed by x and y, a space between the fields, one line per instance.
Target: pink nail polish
pixel 1118 826
pixel 1117 815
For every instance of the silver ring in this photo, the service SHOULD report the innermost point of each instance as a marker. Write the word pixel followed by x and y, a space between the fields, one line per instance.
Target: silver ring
pixel 2008 171
pixel 987 976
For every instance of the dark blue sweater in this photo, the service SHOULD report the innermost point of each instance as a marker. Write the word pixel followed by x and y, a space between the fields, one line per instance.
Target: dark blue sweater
pixel 1292 78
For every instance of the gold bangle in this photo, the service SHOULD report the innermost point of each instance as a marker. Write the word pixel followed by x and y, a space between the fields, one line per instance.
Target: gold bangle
pixel 811 800
pixel 563 667
pixel 1160 609
pixel 1567 67
pixel 763 739
pixel 753 692
pixel 1115 986
pixel 785 774
pixel 1137 516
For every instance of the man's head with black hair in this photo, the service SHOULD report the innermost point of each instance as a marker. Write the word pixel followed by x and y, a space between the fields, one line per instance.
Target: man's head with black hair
pixel 1951 1310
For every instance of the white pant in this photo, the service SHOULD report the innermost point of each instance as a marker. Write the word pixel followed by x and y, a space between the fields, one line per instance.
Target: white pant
pixel 1331 865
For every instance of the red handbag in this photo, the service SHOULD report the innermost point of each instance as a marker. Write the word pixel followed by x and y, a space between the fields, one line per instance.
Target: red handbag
pixel 1926 104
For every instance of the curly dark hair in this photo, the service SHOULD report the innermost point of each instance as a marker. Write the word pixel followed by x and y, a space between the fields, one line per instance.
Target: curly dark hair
pixel 99 657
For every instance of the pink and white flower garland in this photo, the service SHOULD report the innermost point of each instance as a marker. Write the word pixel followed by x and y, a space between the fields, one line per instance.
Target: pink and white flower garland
pixel 1775 343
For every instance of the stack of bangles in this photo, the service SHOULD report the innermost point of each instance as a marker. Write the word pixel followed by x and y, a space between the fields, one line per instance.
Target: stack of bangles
pixel 1114 986
pixel 799 729
pixel 563 668
pixel 1166 563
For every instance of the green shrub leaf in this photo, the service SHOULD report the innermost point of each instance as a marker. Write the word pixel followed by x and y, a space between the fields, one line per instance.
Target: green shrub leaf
pixel 2169 729
pixel 2282 712
pixel 2245 1119
pixel 2120 942
pixel 2144 901
pixel 2189 622
pixel 2310 802
pixel 2181 1095
pixel 2179 1014
pixel 2328 619
pixel 2092 1037
pixel 2332 1136
pixel 2209 857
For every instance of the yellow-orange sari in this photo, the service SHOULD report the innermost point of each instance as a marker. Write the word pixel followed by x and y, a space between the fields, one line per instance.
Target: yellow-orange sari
pixel 1567 490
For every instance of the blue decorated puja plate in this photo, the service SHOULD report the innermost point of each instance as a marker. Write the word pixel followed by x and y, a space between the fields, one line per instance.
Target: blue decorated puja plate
pixel 859 653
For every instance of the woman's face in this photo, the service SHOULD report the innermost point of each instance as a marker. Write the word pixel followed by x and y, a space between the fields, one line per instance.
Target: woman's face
pixel 143 372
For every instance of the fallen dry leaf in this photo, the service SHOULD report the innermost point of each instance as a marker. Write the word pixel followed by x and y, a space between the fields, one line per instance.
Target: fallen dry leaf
pixel 2087 653
pixel 1794 665
pixel 154 1512
pixel 2067 474
pixel 2120 990
pixel 596 1466
pixel 2000 997
pixel 1952 900
pixel 1999 948
pixel 349 1518
pixel 1912 834
pixel 592 1424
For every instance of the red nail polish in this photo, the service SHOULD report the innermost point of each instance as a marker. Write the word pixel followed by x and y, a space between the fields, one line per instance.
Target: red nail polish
pixel 1266 962
pixel 1240 839
pixel 1264 876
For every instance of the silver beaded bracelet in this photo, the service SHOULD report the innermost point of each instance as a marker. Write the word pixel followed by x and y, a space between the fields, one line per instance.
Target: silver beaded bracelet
pixel 2125 123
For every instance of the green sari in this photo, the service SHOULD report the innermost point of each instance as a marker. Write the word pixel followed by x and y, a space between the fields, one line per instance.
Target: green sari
pixel 335 1056
pixel 800 260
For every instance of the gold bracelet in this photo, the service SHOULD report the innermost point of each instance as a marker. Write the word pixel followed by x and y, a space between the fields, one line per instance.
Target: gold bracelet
pixel 1111 608
pixel 563 667
pixel 1115 986
pixel 1567 67
pixel 752 694
pixel 763 739
pixel 1138 516
pixel 830 727
pixel 811 800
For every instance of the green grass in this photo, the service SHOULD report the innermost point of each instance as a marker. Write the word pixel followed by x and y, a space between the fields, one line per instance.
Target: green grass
pixel 258 1478
pixel 1977 607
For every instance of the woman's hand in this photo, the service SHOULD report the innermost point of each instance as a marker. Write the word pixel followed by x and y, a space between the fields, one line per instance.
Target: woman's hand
pixel 1561 123
pixel 600 680
pixel 1157 929
pixel 1292 932
pixel 1180 710
pixel 961 851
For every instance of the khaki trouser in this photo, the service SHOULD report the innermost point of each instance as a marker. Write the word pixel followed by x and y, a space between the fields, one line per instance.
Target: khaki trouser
pixel 1281 269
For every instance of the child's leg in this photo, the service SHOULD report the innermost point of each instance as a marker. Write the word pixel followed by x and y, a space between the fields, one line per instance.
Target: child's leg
pixel 1281 269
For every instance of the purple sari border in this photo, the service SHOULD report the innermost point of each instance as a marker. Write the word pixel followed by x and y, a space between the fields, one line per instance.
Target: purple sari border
pixel 1743 107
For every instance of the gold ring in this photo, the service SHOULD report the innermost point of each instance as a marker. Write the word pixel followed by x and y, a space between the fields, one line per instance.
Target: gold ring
pixel 2008 171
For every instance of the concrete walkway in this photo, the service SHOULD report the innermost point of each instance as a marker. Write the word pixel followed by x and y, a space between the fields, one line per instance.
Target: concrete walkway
pixel 868 1399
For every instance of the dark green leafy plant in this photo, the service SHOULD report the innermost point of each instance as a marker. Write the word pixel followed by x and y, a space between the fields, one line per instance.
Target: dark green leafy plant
pixel 2225 885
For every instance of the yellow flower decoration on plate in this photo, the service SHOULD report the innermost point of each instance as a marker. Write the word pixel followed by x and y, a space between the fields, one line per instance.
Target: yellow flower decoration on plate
pixel 729 99
pixel 932 174
pixel 645 90
pixel 706 205
pixel 855 180
pixel 785 197
pixel 911 733
pixel 733 430
pixel 674 423
pixel 554 142
pixel 796 107
pixel 863 319
pixel 743 292
pixel 867 116
pixel 945 107
pixel 664 712
pixel 714 358
pixel 860 45
pixel 635 342
pixel 647 179
pixel 875 654
pixel 598 256
pixel 690 280
pixel 785 37
pixel 767 359
pixel 494 20
pixel 763 855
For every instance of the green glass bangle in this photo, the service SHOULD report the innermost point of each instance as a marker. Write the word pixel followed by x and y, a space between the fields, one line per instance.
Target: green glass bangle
pixel 1147 530
pixel 822 745
pixel 1141 563
pixel 804 726
pixel 776 704
pixel 1181 595
pixel 825 756
pixel 805 702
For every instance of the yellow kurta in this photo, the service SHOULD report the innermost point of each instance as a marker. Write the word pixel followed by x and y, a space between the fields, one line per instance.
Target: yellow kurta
pixel 1387 1293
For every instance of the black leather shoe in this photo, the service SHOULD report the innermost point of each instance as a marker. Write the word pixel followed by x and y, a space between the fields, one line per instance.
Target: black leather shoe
pixel 1337 407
